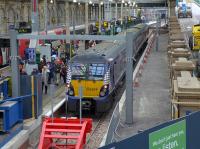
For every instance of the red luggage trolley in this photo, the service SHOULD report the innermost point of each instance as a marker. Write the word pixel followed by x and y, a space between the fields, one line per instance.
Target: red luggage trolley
pixel 59 133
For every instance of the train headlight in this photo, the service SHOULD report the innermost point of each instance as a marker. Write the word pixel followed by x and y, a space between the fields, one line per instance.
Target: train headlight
pixel 102 93
pixel 71 92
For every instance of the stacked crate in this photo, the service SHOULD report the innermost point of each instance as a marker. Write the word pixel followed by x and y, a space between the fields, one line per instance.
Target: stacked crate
pixel 186 95
pixel 185 88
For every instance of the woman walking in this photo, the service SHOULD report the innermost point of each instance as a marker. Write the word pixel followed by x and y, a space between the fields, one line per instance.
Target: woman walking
pixel 45 73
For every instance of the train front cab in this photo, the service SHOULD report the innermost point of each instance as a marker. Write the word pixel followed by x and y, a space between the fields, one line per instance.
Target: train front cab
pixel 94 80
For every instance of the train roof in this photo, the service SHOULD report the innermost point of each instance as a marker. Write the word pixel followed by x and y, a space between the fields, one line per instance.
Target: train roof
pixel 105 51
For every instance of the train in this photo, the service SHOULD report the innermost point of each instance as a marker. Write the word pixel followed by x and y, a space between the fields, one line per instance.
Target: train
pixel 95 74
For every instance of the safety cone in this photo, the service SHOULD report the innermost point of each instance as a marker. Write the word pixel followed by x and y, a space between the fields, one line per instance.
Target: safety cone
pixel 146 55
pixel 141 66
pixel 140 73
pixel 136 82
pixel 145 60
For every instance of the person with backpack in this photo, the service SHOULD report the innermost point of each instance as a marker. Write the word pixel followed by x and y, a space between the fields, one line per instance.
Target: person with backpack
pixel 63 72
pixel 57 72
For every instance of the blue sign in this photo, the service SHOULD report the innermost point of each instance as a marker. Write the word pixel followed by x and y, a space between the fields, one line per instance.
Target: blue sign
pixel 184 8
pixel 31 54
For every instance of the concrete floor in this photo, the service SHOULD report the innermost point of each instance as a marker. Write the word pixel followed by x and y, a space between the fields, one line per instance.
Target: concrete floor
pixel 151 98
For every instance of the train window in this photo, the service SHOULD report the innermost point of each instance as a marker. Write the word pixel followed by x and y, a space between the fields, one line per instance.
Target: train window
pixel 96 71
pixel 78 71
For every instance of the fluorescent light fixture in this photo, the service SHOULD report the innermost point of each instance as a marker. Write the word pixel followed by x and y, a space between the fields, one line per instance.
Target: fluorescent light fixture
pixel 101 3
pixel 122 1
pixel 129 2
pixel 79 3
pixel 125 4
pixel 51 1
pixel 74 1
pixel 90 2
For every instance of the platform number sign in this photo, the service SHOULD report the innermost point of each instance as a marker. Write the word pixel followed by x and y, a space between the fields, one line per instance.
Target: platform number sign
pixel 170 137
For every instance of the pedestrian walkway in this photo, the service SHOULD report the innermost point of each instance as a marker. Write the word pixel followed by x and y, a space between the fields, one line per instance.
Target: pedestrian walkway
pixel 151 98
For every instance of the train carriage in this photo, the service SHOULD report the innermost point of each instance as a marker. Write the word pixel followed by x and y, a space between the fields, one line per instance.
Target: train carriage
pixel 98 71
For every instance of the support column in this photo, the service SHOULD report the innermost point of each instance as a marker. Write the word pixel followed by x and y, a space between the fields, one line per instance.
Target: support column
pixel 121 13
pixel 172 4
pixel 99 17
pixel 35 21
pixel 129 79
pixel 45 16
pixel 14 64
pixel 73 18
pixel 86 18
pixel 67 25
pixel 107 10
pixel 116 10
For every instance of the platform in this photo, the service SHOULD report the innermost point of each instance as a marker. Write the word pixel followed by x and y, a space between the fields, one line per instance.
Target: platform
pixel 151 99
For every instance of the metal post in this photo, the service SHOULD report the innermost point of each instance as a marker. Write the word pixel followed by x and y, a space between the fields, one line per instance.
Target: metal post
pixel 66 101
pixel 116 12
pixel 52 98
pixel 45 16
pixel 121 13
pixel 86 18
pixel 80 104
pixel 35 21
pixel 73 18
pixel 129 78
pixel 14 64
pixel 99 17
pixel 68 47
pixel 157 34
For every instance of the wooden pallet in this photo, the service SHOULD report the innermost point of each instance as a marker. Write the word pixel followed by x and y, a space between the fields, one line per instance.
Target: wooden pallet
pixel 185 95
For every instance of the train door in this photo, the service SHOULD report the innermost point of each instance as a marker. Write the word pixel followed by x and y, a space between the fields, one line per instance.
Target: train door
pixel 1 58
pixel 7 55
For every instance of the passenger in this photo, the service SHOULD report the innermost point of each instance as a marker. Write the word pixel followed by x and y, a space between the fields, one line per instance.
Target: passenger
pixel 45 73
pixel 23 72
pixel 44 60
pixel 51 68
pixel 57 72
pixel 63 72
pixel 35 71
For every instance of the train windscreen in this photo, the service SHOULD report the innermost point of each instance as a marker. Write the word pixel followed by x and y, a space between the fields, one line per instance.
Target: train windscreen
pixel 96 71
pixel 78 71
pixel 87 71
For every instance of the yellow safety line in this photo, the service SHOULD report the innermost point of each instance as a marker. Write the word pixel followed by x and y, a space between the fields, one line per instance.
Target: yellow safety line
pixel 33 99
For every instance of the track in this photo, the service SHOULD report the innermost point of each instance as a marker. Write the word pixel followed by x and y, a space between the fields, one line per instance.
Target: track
pixel 100 125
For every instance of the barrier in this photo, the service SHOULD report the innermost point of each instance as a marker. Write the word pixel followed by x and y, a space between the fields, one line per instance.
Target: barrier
pixel 180 134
